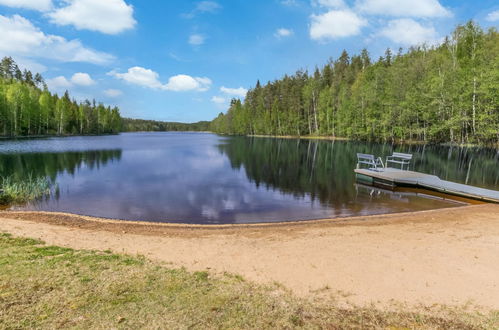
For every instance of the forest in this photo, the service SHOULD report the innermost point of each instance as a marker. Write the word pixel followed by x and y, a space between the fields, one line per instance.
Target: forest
pixel 443 93
pixel 27 108
pixel 142 125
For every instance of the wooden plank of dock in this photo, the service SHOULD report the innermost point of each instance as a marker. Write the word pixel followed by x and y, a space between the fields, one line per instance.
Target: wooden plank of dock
pixel 395 177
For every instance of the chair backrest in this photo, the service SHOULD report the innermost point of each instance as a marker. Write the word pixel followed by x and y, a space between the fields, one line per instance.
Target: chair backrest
pixel 365 157
pixel 402 155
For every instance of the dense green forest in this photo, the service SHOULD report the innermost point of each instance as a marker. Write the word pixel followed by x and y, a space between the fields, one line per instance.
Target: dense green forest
pixel 27 108
pixel 141 125
pixel 444 93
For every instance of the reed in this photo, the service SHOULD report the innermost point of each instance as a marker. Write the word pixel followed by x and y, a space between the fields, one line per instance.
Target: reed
pixel 21 191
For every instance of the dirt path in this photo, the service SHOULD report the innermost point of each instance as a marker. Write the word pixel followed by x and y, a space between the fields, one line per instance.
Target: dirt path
pixel 448 256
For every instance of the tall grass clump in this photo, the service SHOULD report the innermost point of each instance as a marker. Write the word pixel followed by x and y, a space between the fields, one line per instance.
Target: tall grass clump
pixel 21 191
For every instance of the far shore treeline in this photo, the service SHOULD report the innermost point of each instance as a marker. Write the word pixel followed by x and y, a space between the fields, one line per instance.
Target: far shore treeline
pixel 444 93
pixel 141 125
pixel 27 108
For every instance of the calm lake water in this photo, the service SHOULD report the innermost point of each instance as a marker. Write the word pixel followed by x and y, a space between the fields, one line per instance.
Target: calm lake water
pixel 209 179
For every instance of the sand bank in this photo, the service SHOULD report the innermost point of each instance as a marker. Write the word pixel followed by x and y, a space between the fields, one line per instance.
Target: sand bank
pixel 446 256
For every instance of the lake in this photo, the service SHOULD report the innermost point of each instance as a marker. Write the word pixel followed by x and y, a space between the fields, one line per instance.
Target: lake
pixel 204 178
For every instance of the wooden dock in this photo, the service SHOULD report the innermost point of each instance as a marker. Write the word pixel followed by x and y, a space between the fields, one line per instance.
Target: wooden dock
pixel 392 177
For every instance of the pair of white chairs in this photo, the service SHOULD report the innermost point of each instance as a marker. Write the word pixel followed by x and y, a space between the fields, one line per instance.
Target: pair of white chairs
pixel 397 158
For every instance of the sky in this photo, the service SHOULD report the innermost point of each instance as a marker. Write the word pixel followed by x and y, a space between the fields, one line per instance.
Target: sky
pixel 181 60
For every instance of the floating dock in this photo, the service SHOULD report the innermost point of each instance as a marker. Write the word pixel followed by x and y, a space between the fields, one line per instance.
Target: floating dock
pixel 392 177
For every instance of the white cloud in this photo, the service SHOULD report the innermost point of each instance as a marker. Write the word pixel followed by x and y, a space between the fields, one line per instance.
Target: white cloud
pixel 148 78
pixel 41 5
pixel 140 76
pixel 335 24
pixel 196 39
pixel 109 16
pixel 408 32
pixel 58 83
pixel 182 82
pixel 30 65
pixel 218 100
pixel 282 33
pixel 493 16
pixel 407 8
pixel 331 3
pixel 113 92
pixel 177 57
pixel 203 7
pixel 240 92
pixel 20 37
pixel 208 6
pixel 82 79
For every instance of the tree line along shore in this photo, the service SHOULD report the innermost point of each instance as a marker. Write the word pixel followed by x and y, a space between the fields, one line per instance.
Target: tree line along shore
pixel 28 108
pixel 446 93
pixel 433 94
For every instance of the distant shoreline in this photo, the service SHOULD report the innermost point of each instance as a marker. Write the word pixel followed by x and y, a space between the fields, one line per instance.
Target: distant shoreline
pixel 298 137
pixel 23 137
pixel 336 138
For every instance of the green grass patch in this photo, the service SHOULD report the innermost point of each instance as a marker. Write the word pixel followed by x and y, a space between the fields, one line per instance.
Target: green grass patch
pixel 21 191
pixel 52 287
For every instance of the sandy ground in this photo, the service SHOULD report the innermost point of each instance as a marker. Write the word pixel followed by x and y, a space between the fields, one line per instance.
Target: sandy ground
pixel 447 256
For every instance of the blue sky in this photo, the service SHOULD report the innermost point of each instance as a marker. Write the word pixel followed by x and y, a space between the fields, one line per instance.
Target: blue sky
pixel 181 60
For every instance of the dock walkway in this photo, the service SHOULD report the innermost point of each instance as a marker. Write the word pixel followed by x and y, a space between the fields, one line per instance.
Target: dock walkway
pixel 393 177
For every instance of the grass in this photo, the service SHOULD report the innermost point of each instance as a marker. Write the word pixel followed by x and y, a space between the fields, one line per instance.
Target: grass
pixel 53 287
pixel 16 192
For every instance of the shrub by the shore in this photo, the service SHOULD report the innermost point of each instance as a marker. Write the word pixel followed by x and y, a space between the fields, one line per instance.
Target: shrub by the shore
pixel 54 287
pixel 14 191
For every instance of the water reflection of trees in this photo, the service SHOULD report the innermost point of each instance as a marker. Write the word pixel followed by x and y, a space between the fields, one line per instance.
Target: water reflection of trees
pixel 321 169
pixel 324 169
pixel 48 164
pixel 469 165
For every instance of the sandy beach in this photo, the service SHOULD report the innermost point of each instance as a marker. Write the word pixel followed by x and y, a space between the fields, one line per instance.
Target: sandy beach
pixel 446 256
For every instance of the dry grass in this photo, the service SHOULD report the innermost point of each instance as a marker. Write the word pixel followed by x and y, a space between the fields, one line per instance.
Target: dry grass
pixel 53 287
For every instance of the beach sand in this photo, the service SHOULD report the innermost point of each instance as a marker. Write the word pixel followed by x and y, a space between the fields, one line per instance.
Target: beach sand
pixel 445 256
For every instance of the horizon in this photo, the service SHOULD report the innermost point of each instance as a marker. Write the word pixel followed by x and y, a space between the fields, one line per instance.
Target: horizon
pixel 181 66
